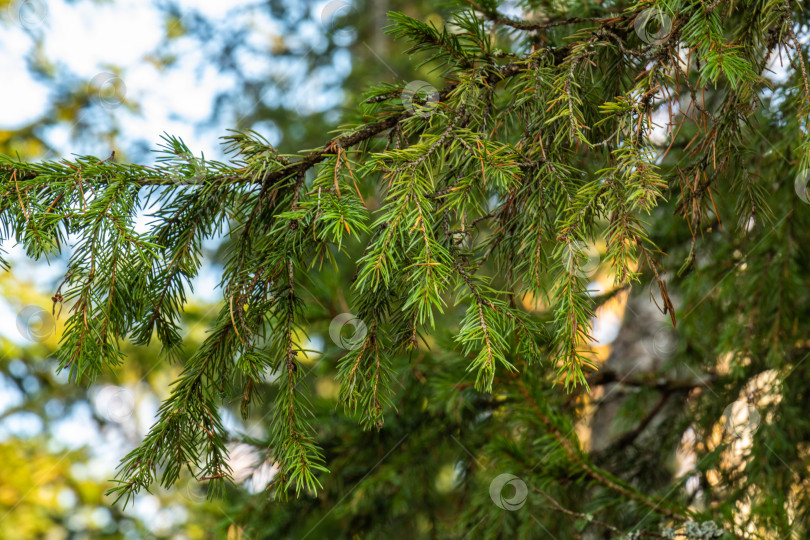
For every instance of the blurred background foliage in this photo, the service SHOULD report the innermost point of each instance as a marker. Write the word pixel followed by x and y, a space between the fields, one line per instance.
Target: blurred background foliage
pixel 289 70
pixel 59 442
